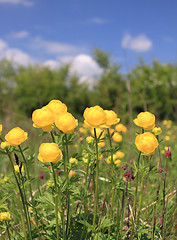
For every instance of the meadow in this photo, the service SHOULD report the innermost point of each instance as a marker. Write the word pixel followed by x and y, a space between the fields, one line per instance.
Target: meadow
pixel 95 178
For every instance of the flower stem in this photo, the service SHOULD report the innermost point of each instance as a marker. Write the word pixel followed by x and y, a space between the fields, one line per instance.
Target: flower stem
pixel 7 228
pixel 113 184
pixel 30 188
pixel 137 178
pixel 56 200
pixel 97 177
pixel 22 198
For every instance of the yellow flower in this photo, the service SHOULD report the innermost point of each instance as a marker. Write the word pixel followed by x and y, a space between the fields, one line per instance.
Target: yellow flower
pixel 145 120
pixel 49 152
pixel 162 151
pixel 17 169
pixel 57 107
pixel 98 132
pixel 157 130
pixel 50 183
pixel 167 148
pixel 146 143
pixel 4 216
pixel 165 122
pixel 167 138
pixel 117 162
pixel 120 128
pixel 71 173
pixel 4 145
pixel 120 154
pixel 111 118
pixel 16 136
pixel 0 128
pixel 101 144
pixel 82 130
pixel 43 117
pixel 100 157
pixel 75 145
pixel 117 137
pixel 66 123
pixel 47 128
pixel 95 116
pixel 5 179
pixel 73 161
pixel 89 139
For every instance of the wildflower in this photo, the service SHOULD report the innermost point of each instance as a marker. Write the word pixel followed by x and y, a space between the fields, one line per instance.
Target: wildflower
pixel 120 128
pixel 167 148
pixel 168 153
pixel 41 176
pixel 162 151
pixel 145 120
pixel 71 173
pixel 120 154
pixel 117 162
pixel 95 116
pixel 0 128
pixel 43 117
pixel 89 139
pixel 100 157
pixel 57 107
pixel 75 145
pixel 59 172
pixel 111 118
pixel 101 144
pixel 17 168
pixel 16 136
pixel 50 183
pixel 146 143
pixel 66 123
pixel 49 152
pixel 117 137
pixel 82 130
pixel 165 122
pixel 4 216
pixel 167 138
pixel 157 130
pixel 5 179
pixel 4 145
pixel 160 170
pixel 73 161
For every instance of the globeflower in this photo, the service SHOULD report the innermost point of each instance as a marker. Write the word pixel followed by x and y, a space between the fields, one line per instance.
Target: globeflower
pixel 145 120
pixel 49 152
pixel 120 154
pixel 95 116
pixel 66 123
pixel 43 118
pixel 73 161
pixel 4 216
pixel 146 143
pixel 16 136
pixel 117 137
pixel 4 145
pixel 120 128
pixel 71 173
pixel 157 130
pixel 57 107
pixel 111 118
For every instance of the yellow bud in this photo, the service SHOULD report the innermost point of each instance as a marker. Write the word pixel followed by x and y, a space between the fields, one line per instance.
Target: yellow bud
pixel 157 130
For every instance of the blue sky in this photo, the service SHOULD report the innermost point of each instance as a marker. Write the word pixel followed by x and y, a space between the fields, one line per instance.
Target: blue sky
pixel 53 32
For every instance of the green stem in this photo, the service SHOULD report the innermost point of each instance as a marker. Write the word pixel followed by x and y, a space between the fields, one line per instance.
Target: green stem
pixel 7 228
pixel 56 200
pixel 97 177
pixel 30 188
pixel 22 198
pixel 140 199
pixel 113 185
pixel 67 182
pixel 137 178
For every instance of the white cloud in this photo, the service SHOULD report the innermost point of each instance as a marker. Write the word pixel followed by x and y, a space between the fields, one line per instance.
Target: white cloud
pixel 52 64
pixel 3 45
pixel 27 3
pixel 20 34
pixel 17 56
pixel 13 54
pixel 98 20
pixel 55 47
pixel 86 68
pixel 140 43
